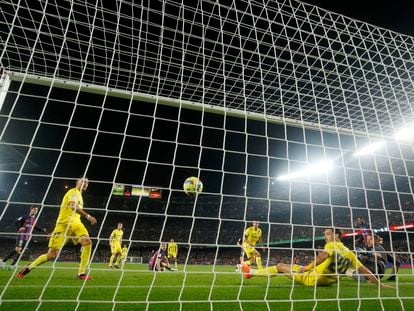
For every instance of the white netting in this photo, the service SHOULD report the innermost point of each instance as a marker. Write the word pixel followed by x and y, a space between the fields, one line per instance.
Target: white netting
pixel 148 93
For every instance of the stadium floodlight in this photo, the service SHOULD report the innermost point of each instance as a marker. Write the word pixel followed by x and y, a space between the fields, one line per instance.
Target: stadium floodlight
pixel 319 168
pixel 369 149
pixel 405 133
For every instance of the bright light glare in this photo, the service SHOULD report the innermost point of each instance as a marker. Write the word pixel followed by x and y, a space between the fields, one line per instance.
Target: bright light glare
pixel 369 149
pixel 404 134
pixel 319 168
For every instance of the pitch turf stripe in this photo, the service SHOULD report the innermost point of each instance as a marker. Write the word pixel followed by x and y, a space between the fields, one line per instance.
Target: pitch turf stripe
pixel 201 301
pixel 193 286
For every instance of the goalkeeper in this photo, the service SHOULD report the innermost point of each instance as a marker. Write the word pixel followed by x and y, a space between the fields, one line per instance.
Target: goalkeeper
pixel 374 257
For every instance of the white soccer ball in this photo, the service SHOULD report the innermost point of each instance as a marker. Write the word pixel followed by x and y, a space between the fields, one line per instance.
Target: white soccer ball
pixel 192 185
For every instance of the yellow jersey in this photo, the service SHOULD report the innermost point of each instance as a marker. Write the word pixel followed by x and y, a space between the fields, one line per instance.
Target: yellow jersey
pixel 339 260
pixel 124 252
pixel 172 248
pixel 253 235
pixel 116 236
pixel 66 213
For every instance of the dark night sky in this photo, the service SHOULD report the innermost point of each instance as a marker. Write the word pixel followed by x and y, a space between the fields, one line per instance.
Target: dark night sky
pixel 394 15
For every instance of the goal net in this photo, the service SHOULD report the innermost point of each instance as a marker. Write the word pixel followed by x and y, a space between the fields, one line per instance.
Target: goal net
pixel 293 117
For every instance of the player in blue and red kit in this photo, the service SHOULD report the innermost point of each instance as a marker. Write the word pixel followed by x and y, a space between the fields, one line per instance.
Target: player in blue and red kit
pixel 159 260
pixel 26 225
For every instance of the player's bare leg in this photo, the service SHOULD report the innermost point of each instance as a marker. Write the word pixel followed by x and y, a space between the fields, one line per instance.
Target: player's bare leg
pixel 286 269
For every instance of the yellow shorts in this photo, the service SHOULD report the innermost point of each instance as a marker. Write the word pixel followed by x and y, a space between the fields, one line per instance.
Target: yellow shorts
pixel 62 233
pixel 172 255
pixel 249 250
pixel 307 278
pixel 310 278
pixel 116 248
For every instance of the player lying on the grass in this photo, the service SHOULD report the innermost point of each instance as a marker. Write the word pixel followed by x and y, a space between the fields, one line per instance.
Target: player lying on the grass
pixel 26 225
pixel 374 257
pixel 68 226
pixel 159 260
pixel 328 266
pixel 252 235
pixel 115 241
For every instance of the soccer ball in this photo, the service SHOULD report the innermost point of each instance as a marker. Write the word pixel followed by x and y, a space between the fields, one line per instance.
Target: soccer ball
pixel 192 185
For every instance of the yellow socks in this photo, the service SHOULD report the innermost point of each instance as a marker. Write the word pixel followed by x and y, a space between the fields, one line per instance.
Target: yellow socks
pixel 118 259
pixel 85 255
pixel 271 271
pixel 39 261
pixel 259 263
pixel 111 260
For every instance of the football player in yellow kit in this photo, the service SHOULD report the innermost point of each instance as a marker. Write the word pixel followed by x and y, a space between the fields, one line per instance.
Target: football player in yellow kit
pixel 325 270
pixel 252 235
pixel 124 252
pixel 69 226
pixel 173 252
pixel 115 241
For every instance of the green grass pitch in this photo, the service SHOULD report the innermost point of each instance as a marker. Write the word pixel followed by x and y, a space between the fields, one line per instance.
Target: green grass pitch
pixel 199 289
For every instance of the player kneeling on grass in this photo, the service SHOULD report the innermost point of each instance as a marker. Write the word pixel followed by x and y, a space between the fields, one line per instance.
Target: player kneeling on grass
pixel 325 270
pixel 68 226
pixel 159 260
